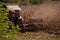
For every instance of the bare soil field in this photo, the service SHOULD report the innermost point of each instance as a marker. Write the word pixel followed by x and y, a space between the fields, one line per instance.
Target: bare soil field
pixel 46 14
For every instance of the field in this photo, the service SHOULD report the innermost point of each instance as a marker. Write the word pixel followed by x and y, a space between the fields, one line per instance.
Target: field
pixel 41 20
pixel 37 36
pixel 46 18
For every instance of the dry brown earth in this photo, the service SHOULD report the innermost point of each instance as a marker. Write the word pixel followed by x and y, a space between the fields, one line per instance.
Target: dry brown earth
pixel 49 13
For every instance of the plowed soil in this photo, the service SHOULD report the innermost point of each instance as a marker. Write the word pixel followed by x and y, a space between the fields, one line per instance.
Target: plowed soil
pixel 49 13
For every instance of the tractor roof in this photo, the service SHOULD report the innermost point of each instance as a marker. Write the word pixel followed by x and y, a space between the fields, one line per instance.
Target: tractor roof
pixel 12 7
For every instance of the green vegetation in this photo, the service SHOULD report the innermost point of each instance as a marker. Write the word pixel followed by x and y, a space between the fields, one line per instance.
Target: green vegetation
pixel 7 29
pixel 36 1
pixel 27 1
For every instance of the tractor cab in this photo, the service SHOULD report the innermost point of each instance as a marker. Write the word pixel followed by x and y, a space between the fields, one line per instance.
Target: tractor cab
pixel 14 13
